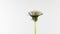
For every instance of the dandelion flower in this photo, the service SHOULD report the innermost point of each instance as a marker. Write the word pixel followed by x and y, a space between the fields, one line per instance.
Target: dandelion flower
pixel 34 15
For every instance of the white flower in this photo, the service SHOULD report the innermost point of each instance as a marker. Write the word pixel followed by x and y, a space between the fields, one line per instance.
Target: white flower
pixel 35 13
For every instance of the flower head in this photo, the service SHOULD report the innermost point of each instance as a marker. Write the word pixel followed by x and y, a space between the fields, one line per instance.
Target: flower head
pixel 35 14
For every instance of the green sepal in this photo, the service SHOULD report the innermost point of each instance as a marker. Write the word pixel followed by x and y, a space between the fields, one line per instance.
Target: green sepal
pixel 35 18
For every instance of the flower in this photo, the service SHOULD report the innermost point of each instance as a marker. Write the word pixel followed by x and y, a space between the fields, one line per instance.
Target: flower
pixel 35 14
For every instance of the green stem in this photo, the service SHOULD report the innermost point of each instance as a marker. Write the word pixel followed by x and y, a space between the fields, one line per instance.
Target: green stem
pixel 35 28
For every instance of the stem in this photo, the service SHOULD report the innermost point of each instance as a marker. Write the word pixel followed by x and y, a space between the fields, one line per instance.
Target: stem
pixel 35 28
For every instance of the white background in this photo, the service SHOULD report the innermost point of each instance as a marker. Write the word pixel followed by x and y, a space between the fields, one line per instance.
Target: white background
pixel 14 17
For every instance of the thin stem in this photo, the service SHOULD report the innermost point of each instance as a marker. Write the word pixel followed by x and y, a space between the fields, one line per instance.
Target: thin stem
pixel 35 28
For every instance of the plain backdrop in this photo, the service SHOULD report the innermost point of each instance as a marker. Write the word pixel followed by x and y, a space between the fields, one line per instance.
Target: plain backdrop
pixel 14 17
